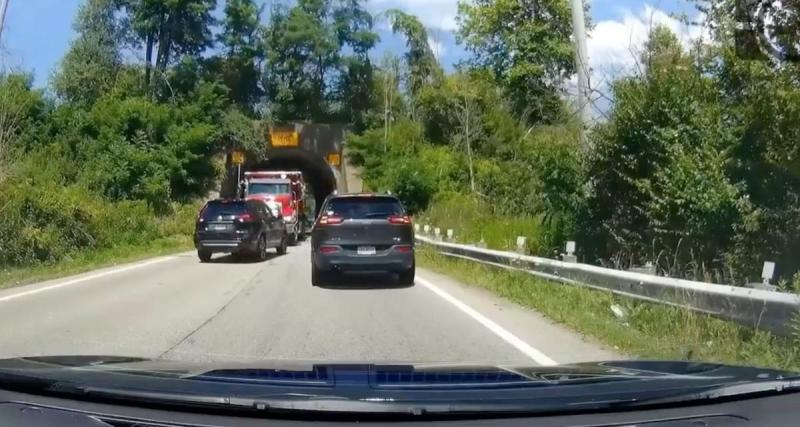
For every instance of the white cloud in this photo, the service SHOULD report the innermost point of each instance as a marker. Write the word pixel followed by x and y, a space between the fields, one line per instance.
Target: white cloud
pixel 614 45
pixel 436 14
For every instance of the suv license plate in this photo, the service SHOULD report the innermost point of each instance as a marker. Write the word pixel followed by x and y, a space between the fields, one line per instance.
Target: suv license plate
pixel 219 227
pixel 366 250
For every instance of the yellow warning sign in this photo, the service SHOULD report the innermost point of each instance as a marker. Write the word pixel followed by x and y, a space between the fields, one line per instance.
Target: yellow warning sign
pixel 335 159
pixel 284 138
pixel 237 157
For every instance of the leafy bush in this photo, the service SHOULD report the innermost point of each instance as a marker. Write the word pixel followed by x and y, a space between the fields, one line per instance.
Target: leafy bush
pixel 412 186
pixel 474 221
pixel 45 222
pixel 659 169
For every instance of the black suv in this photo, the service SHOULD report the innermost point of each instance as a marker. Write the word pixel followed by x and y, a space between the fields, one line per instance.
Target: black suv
pixel 238 227
pixel 362 232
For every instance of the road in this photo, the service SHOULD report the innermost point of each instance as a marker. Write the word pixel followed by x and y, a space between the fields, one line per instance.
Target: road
pixel 176 308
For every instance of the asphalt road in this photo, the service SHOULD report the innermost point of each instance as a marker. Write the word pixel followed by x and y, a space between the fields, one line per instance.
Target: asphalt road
pixel 176 308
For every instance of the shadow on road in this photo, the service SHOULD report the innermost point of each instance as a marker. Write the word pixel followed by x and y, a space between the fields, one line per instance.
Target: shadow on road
pixel 240 259
pixel 361 281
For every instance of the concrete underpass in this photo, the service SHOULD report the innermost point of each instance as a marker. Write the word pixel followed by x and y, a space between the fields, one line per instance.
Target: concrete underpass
pixel 317 150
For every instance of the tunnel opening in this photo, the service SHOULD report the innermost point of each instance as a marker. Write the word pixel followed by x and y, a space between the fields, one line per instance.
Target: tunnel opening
pixel 318 175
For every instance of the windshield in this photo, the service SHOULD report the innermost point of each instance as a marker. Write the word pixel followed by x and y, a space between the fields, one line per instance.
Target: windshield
pixel 363 207
pixel 216 209
pixel 512 183
pixel 268 188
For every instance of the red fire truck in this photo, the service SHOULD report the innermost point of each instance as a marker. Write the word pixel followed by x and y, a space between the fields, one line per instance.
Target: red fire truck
pixel 286 188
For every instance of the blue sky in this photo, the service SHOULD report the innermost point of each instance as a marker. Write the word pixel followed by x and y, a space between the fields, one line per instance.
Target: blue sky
pixel 38 32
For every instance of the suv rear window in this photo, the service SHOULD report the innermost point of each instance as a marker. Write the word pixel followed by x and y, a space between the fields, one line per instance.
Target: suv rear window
pixel 219 208
pixel 364 207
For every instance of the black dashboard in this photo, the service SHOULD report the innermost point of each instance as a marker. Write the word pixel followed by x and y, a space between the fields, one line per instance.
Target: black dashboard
pixel 26 410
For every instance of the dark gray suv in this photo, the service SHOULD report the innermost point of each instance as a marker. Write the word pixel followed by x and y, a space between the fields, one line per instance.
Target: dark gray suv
pixel 362 232
pixel 240 227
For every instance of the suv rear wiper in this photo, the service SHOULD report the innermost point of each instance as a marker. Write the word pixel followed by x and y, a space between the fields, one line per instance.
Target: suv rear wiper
pixel 378 214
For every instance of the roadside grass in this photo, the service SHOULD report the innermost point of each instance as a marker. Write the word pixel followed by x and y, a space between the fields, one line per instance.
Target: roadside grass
pixel 93 259
pixel 474 221
pixel 647 330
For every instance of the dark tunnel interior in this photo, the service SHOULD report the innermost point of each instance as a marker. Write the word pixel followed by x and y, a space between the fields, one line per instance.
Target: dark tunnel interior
pixel 317 174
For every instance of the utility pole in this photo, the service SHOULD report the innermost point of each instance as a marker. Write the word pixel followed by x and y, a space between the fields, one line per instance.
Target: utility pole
pixel 582 65
pixel 3 9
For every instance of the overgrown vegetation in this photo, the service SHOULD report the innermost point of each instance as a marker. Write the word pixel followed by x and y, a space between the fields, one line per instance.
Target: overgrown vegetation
pixel 695 167
pixel 116 160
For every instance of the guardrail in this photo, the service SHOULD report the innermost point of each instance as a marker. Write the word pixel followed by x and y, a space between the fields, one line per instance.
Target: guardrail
pixel 768 310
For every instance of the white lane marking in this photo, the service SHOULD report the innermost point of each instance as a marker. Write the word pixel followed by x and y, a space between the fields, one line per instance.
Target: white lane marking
pixel 498 330
pixel 89 277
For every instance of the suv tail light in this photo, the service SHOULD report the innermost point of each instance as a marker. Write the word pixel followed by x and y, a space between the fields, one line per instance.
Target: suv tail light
pixel 201 214
pixel 404 249
pixel 245 217
pixel 400 220
pixel 330 220
pixel 328 249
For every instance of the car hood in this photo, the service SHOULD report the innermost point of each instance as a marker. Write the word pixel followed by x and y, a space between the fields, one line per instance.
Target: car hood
pixel 398 387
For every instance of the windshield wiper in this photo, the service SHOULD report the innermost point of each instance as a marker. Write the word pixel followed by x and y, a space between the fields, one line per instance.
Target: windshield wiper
pixel 740 390
pixel 336 404
pixel 383 403
pixel 287 402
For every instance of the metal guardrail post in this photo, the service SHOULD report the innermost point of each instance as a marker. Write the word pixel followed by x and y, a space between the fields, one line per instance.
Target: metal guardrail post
pixel 521 244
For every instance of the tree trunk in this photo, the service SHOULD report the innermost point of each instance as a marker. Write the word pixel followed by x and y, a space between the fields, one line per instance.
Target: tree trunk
pixel 386 99
pixel 320 88
pixel 164 47
pixel 148 59
pixel 467 113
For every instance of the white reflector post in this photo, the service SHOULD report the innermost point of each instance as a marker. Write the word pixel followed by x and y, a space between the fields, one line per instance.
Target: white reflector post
pixel 768 271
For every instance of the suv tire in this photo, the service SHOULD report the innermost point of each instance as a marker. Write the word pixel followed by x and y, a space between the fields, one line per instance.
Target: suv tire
pixel 281 249
pixel 407 277
pixel 205 256
pixel 261 249
pixel 320 278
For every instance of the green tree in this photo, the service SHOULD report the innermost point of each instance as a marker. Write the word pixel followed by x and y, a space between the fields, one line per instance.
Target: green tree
pixel 356 91
pixel 763 105
pixel 318 65
pixel 526 45
pixel 239 66
pixel 387 90
pixel 422 67
pixel 302 53
pixel 90 67
pixel 21 108
pixel 170 29
pixel 755 29
pixel 658 166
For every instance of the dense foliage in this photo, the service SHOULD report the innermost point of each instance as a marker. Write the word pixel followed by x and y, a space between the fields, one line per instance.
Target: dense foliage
pixel 695 168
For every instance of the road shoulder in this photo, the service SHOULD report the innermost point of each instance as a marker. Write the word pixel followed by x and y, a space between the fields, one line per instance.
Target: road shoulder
pixel 557 342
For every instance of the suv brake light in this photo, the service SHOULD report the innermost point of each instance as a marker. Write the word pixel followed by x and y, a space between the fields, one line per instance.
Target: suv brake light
pixel 330 220
pixel 202 212
pixel 400 220
pixel 245 217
